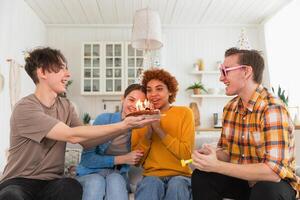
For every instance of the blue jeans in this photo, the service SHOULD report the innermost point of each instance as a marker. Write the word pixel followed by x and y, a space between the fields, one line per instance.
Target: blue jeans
pixel 167 188
pixel 107 184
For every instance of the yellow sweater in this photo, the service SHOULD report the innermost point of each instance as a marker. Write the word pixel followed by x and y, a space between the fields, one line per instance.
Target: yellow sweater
pixel 162 156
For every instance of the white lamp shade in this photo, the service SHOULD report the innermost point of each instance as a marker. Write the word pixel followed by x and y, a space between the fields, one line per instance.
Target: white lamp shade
pixel 146 31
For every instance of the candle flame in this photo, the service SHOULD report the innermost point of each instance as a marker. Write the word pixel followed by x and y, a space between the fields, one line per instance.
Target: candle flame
pixel 139 105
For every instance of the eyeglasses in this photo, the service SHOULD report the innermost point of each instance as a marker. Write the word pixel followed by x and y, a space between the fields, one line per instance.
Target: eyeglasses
pixel 224 69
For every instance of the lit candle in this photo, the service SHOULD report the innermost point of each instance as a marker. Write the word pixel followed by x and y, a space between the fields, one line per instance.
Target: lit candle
pixel 146 104
pixel 139 105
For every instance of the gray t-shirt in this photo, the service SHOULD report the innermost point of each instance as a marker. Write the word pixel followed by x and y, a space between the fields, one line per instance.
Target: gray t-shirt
pixel 31 154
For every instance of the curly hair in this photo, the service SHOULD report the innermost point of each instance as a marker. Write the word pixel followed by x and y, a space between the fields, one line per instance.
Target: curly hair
pixel 163 76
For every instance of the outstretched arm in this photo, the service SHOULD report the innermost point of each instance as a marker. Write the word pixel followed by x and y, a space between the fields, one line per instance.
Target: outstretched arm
pixel 100 133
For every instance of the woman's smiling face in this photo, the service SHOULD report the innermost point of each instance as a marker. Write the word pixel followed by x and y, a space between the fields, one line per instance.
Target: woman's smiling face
pixel 158 94
pixel 130 100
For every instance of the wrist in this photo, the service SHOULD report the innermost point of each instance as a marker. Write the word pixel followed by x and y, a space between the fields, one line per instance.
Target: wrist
pixel 160 133
pixel 219 167
pixel 119 160
pixel 148 136
pixel 124 126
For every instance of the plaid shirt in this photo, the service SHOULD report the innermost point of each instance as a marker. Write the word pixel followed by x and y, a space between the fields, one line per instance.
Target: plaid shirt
pixel 261 132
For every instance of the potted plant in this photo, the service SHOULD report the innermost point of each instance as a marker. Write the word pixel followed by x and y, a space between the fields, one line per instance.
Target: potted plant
pixel 281 95
pixel 64 94
pixel 197 87
pixel 86 118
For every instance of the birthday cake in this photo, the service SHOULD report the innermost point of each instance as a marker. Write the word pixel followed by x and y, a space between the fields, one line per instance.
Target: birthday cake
pixel 144 112
pixel 144 108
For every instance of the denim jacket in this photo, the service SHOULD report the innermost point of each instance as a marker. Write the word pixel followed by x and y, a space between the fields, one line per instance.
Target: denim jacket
pixel 93 160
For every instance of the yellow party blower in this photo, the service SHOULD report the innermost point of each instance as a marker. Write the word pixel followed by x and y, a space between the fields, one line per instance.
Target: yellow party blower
pixel 185 162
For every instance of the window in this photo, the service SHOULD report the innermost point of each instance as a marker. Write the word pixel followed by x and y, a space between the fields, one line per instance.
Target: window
pixel 134 63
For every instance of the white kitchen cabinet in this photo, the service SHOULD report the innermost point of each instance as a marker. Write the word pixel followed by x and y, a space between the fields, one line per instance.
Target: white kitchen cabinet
pixel 109 67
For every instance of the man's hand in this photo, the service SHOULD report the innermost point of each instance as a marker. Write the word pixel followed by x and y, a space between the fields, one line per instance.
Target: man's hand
pixel 206 159
pixel 221 155
pixel 204 150
pixel 131 158
pixel 137 122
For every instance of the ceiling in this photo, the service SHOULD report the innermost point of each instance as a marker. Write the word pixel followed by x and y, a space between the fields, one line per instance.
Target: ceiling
pixel 172 12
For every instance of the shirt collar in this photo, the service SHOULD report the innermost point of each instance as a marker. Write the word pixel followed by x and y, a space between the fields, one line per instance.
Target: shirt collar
pixel 250 105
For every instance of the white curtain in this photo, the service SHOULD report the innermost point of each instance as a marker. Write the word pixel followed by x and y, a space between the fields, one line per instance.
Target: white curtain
pixel 14 82
pixel 1 81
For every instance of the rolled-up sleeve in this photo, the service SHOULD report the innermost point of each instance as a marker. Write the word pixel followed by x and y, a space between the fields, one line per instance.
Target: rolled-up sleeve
pixel 223 143
pixel 278 141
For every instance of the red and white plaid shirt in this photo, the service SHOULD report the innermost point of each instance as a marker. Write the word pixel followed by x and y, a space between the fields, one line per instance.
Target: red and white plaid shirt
pixel 261 132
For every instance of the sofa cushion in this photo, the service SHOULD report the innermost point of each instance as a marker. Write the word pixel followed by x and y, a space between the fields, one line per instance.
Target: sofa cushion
pixel 72 158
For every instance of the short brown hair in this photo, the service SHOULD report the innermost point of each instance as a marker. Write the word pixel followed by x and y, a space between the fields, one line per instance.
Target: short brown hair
pixel 163 76
pixel 134 86
pixel 50 60
pixel 252 58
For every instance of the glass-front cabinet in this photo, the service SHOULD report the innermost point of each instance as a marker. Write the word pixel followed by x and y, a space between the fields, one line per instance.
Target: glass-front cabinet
pixel 134 64
pixel 113 67
pixel 91 68
pixel 109 67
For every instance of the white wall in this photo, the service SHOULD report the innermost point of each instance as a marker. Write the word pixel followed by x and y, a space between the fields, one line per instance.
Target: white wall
pixel 20 29
pixel 283 43
pixel 182 47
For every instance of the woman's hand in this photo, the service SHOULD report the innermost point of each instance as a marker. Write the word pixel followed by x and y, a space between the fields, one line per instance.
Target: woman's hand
pixel 149 133
pixel 158 129
pixel 131 158
pixel 155 126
